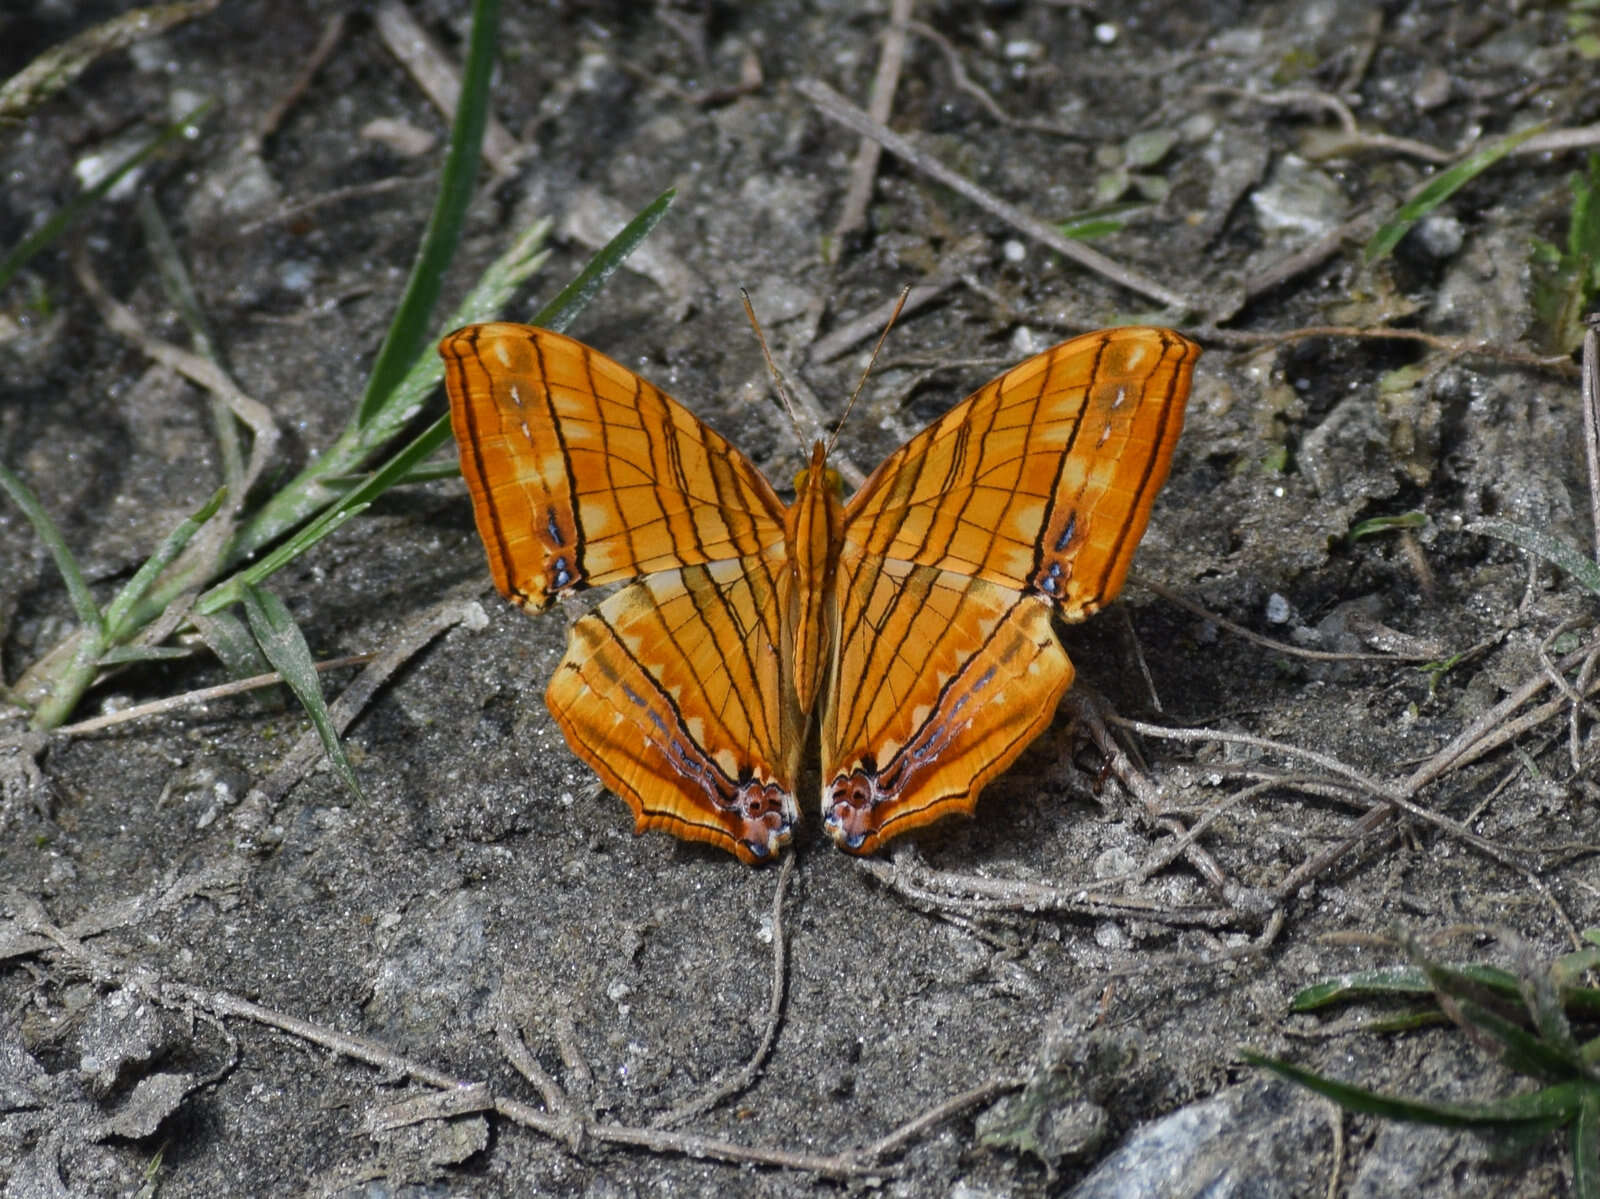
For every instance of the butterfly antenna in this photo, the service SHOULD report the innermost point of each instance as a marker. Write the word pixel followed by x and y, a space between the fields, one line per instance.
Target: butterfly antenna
pixel 882 337
pixel 777 379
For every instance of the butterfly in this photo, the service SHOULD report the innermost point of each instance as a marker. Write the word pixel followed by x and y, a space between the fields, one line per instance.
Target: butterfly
pixel 916 618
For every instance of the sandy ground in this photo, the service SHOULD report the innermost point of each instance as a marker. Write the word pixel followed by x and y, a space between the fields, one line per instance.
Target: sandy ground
pixel 254 994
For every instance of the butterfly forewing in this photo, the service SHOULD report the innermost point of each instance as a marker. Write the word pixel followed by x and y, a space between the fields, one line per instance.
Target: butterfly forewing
pixel 582 472
pixel 1042 479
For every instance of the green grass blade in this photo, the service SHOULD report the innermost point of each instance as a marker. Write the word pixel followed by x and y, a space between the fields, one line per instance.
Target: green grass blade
pixel 1484 1008
pixel 1570 968
pixel 136 588
pixel 411 325
pixel 121 655
pixel 1404 981
pixel 1102 220
pixel 488 298
pixel 1445 185
pixel 175 281
pixel 1537 1111
pixel 309 494
pixel 491 293
pixel 69 212
pixel 1524 1052
pixel 484 300
pixel 256 573
pixel 285 647
pixel 560 312
pixel 1586 1146
pixel 229 638
pixel 398 468
pixel 75 661
pixel 1407 1020
pixel 47 531
pixel 430 472
pixel 1387 524
pixel 1558 553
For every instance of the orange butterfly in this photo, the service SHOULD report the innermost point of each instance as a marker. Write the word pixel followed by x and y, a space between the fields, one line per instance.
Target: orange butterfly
pixel 919 613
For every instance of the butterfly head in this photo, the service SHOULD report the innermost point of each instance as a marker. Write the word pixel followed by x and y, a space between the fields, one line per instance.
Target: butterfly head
pixel 828 478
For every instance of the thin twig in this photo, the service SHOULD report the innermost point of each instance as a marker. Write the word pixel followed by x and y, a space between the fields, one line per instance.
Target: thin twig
pixel 1476 740
pixel 1591 424
pixel 193 699
pixel 338 195
pixel 1162 965
pixel 939 890
pixel 836 108
pixel 1493 728
pixel 566 1034
pixel 1089 711
pixel 332 32
pixel 934 1116
pixel 1379 790
pixel 1170 851
pixel 1573 694
pixel 1281 647
pixel 1298 98
pixel 1585 137
pixel 1353 139
pixel 555 1099
pixel 963 257
pixel 439 79
pixel 224 1004
pixel 864 171
pixel 1460 347
pixel 1307 258
pixel 744 1078
pixel 965 83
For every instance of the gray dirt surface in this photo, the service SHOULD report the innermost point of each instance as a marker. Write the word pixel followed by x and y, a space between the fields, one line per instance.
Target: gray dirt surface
pixel 486 885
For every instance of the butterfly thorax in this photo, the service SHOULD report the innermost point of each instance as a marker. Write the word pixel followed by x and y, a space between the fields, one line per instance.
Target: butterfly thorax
pixel 813 530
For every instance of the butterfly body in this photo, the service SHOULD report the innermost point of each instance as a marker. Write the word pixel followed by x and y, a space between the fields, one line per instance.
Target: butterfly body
pixel 917 618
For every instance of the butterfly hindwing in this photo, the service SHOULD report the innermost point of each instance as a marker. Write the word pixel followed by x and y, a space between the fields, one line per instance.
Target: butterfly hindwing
pixel 675 691
pixel 940 680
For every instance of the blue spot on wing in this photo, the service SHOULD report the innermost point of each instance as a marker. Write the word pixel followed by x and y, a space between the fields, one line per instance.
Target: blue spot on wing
pixel 1066 533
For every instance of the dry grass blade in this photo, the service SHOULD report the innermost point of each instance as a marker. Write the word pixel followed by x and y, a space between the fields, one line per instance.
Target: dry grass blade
pixel 864 171
pixel 437 76
pixel 57 67
pixel 837 108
